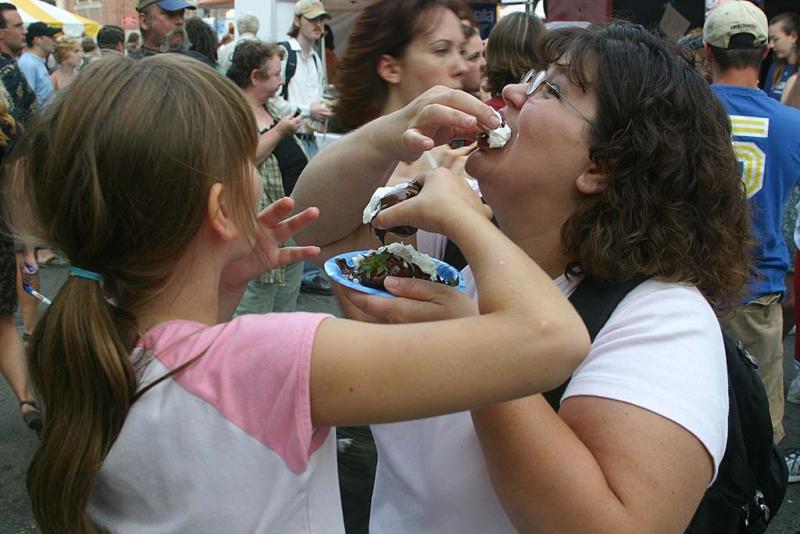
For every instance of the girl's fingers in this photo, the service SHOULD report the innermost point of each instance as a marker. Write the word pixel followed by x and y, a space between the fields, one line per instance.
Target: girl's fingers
pixel 289 255
pixel 284 228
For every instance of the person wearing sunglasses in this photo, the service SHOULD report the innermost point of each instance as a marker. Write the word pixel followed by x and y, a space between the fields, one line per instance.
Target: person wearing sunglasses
pixel 619 168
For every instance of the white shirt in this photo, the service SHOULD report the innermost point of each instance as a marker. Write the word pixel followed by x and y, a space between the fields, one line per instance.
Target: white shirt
pixel 306 86
pixel 661 350
pixel 227 444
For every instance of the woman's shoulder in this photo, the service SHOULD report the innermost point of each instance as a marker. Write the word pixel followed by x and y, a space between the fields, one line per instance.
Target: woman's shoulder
pixel 662 350
pixel 666 301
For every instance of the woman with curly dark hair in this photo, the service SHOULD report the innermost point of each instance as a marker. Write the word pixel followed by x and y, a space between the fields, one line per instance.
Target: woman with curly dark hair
pixel 619 168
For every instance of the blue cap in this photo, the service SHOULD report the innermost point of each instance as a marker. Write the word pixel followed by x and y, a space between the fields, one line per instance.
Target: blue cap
pixel 166 5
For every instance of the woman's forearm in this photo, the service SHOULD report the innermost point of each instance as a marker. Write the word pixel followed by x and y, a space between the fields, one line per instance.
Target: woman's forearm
pixel 266 144
pixel 339 181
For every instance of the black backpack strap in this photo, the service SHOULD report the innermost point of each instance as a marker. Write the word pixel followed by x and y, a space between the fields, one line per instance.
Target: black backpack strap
pixel 291 67
pixel 595 302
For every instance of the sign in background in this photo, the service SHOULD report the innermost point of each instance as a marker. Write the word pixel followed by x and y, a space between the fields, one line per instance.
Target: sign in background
pixel 486 15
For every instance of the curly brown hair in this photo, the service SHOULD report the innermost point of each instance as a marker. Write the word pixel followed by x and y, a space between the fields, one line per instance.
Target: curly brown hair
pixel 674 206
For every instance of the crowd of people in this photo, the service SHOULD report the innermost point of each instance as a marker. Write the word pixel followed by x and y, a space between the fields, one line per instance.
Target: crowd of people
pixel 174 386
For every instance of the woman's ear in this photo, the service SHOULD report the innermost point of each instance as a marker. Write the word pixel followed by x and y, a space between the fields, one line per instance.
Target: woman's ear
pixel 218 215
pixel 593 181
pixel 389 69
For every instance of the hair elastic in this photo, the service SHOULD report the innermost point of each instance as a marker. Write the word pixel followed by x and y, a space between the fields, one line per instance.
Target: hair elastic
pixel 83 273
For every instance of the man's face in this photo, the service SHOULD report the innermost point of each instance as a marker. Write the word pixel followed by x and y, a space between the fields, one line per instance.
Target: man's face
pixel 310 29
pixel 47 44
pixel 156 23
pixel 13 35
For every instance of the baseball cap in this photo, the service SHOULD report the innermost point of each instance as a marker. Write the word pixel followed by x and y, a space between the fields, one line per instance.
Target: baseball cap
pixel 40 29
pixel 733 18
pixel 166 5
pixel 310 9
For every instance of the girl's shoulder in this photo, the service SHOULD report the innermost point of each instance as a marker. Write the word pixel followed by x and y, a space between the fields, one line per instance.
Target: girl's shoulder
pixel 239 342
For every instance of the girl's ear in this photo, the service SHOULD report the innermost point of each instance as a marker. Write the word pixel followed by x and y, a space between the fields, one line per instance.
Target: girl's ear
pixel 218 215
pixel 592 182
pixel 389 69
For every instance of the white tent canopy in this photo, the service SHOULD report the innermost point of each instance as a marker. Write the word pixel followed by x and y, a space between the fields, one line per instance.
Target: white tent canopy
pixel 72 24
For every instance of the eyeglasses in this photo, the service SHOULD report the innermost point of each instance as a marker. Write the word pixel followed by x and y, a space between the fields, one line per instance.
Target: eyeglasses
pixel 536 79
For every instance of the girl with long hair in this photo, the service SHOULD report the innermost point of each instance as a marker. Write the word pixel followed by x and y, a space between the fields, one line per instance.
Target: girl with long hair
pixel 163 414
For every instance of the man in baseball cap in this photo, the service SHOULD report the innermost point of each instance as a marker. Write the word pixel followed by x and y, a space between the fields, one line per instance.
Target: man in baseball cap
pixel 767 146
pixel 161 23
pixel 736 25
pixel 310 9
pixel 41 41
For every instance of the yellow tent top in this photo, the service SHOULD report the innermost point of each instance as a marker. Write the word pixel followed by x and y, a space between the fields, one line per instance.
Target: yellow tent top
pixel 70 23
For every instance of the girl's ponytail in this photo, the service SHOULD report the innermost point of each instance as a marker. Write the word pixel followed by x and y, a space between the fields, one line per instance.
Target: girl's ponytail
pixel 80 364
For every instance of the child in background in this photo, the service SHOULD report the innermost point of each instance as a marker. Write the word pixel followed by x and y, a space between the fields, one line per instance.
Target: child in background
pixel 161 413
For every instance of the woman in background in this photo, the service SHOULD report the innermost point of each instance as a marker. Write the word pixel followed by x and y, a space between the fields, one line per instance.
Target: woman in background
pixel 510 53
pixel 256 69
pixel 784 30
pixel 68 54
pixel 203 39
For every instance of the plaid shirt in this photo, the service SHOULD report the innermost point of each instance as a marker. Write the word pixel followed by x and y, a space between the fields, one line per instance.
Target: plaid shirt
pixel 21 97
pixel 272 184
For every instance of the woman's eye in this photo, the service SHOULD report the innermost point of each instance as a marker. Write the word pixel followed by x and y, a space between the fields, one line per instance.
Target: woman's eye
pixel 440 51
pixel 552 89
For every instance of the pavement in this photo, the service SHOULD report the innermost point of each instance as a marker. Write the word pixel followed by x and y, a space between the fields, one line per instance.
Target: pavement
pixel 17 443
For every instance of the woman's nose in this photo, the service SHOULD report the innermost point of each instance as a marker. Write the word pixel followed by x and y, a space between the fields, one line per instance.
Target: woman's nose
pixel 514 95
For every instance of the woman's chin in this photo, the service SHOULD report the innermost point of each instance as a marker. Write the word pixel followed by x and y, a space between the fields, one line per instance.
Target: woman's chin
pixel 482 163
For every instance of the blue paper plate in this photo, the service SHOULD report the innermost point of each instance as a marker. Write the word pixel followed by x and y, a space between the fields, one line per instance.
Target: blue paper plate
pixel 445 272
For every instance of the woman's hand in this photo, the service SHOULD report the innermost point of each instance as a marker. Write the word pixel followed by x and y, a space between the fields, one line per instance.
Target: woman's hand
pixel 444 200
pixel 274 228
pixel 288 125
pixel 415 301
pixel 436 117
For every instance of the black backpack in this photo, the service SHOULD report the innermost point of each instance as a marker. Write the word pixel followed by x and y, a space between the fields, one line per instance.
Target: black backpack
pixel 752 476
pixel 291 67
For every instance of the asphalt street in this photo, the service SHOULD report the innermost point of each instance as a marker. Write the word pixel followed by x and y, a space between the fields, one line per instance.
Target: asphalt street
pixel 17 443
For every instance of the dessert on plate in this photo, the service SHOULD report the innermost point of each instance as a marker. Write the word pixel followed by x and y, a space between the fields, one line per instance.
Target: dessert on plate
pixel 395 259
pixel 385 197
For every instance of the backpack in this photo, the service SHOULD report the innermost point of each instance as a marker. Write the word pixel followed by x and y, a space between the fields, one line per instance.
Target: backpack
pixel 752 476
pixel 291 67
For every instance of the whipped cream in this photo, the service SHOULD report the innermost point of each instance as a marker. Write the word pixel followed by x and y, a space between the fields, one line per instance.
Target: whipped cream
pixel 374 205
pixel 499 136
pixel 408 253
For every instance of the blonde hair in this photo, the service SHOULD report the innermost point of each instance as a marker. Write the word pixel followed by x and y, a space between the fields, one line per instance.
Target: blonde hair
pixel 8 125
pixel 116 173
pixel 64 46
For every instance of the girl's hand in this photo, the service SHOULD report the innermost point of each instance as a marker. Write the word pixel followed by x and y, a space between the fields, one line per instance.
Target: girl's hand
pixel 275 228
pixel 444 200
pixel 438 116
pixel 415 301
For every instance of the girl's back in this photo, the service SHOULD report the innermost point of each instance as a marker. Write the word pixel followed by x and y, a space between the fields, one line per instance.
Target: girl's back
pixel 236 425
